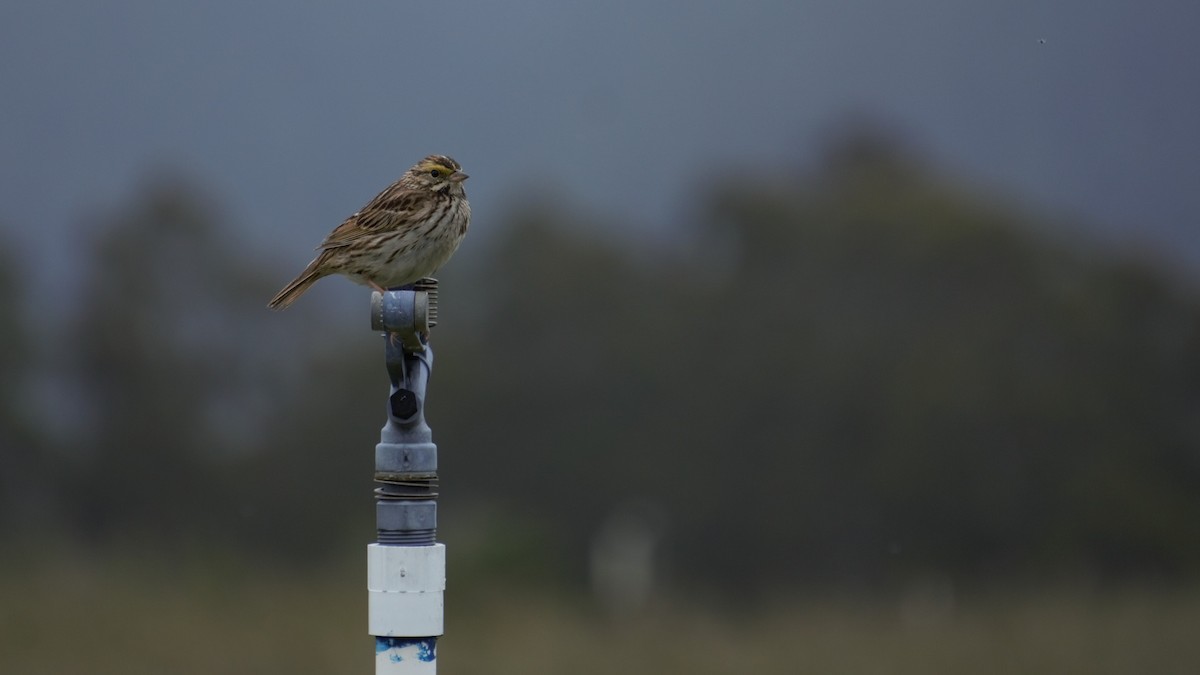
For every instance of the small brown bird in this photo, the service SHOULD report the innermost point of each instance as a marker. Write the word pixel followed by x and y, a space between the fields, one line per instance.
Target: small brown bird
pixel 404 234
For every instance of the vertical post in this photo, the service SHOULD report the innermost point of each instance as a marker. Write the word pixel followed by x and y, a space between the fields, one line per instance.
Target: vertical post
pixel 406 567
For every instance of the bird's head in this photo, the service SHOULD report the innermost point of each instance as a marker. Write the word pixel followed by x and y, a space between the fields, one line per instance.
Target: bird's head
pixel 437 173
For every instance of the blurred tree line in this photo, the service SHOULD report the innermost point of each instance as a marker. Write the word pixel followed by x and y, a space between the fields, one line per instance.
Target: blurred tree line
pixel 861 374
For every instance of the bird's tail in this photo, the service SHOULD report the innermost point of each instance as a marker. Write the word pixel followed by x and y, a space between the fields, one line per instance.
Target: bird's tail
pixel 295 289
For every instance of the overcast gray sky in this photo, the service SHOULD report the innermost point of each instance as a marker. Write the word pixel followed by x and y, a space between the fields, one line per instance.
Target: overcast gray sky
pixel 293 114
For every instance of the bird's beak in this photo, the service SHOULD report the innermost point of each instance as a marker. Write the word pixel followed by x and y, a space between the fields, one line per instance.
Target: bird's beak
pixel 457 177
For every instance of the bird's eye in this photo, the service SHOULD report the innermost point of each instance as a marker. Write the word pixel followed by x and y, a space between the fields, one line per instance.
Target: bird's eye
pixel 435 173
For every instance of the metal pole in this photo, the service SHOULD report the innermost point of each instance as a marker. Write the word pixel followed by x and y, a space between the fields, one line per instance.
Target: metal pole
pixel 406 567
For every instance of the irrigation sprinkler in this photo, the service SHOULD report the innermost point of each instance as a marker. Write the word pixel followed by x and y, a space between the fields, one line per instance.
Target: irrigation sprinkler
pixel 406 567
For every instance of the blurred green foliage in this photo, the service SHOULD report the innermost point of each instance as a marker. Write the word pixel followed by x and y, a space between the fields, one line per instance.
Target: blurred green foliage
pixel 866 374
pixel 126 617
pixel 24 466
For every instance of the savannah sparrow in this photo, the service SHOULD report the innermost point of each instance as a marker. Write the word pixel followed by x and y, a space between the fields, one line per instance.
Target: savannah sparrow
pixel 405 233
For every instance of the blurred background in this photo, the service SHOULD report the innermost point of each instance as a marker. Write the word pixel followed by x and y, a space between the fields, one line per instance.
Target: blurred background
pixel 840 337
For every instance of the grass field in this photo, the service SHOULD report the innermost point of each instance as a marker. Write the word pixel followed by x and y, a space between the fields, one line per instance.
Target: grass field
pixel 119 616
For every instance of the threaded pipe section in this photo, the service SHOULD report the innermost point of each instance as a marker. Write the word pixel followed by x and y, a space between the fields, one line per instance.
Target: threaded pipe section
pixel 406 537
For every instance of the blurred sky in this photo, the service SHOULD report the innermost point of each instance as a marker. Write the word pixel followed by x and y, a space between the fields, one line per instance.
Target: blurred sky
pixel 293 114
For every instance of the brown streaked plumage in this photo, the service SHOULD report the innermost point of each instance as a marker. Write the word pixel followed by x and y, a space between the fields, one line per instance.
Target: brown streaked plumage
pixel 404 234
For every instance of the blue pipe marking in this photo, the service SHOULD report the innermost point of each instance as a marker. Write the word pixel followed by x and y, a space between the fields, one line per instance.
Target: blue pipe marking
pixel 426 647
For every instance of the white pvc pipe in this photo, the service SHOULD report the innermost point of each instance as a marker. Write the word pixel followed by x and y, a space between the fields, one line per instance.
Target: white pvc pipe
pixel 405 608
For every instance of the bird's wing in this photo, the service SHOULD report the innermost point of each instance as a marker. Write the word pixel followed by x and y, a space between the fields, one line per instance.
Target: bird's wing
pixel 387 211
